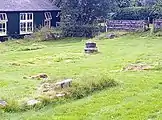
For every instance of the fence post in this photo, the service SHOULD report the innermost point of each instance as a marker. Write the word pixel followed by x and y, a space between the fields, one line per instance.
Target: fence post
pixel 106 25
pixel 153 26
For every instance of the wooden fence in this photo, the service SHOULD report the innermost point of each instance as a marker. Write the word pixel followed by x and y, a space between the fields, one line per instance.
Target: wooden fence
pixel 157 24
pixel 129 25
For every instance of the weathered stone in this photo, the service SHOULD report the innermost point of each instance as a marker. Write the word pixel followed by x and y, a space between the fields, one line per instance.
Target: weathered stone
pixel 90 47
pixel 90 50
pixel 60 95
pixel 33 102
pixel 64 84
pixel 111 36
pixel 3 104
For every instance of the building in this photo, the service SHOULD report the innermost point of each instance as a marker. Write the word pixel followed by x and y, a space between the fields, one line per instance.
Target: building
pixel 21 17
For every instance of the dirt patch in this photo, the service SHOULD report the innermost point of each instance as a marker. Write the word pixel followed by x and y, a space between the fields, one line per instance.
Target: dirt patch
pixel 137 67
pixel 38 76
pixel 15 64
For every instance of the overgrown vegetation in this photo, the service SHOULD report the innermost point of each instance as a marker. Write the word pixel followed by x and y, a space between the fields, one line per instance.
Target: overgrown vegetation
pixel 80 88
pixel 45 34
pixel 82 16
pixel 136 92
pixel 87 85
pixel 88 31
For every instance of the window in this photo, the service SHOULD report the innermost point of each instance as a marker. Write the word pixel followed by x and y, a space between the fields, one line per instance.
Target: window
pixel 58 14
pixel 48 15
pixel 26 23
pixel 47 23
pixel 48 18
pixel 3 24
pixel 57 24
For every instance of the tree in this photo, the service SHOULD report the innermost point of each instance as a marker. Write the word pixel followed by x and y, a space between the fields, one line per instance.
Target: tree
pixel 149 2
pixel 123 3
pixel 84 11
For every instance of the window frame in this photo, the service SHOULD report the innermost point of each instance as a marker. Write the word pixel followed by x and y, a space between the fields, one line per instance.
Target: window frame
pixel 25 20
pixel 3 24
pixel 47 20
pixel 47 23
pixel 58 24
pixel 48 15
pixel 58 14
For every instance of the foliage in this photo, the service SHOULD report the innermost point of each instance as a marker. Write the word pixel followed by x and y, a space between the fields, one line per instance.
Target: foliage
pixel 123 3
pixel 82 12
pixel 138 13
pixel 81 15
pixel 132 13
pixel 87 85
pixel 80 31
pixel 134 98
pixel 45 34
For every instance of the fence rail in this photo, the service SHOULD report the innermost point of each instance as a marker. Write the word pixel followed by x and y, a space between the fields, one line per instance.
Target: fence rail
pixel 157 24
pixel 130 25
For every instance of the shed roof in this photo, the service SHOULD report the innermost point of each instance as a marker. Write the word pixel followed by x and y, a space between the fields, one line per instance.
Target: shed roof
pixel 26 5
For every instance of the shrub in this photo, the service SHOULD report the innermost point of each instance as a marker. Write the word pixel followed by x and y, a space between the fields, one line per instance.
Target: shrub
pixel 12 106
pixel 133 13
pixel 45 34
pixel 87 85
pixel 80 31
pixel 138 13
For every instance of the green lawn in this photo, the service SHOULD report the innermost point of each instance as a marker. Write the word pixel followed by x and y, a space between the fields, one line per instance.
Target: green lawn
pixel 137 97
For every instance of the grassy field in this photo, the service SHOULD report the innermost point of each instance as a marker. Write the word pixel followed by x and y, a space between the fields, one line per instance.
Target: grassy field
pixel 137 97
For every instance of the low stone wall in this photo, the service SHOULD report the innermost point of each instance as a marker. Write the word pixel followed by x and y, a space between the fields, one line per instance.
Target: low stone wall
pixel 129 25
pixel 157 24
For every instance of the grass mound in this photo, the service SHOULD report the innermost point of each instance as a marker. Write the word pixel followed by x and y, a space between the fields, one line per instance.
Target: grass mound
pixel 86 85
pixel 31 47
pixel 81 87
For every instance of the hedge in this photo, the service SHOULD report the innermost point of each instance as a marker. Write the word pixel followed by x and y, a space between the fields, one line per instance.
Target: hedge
pixel 80 31
pixel 138 13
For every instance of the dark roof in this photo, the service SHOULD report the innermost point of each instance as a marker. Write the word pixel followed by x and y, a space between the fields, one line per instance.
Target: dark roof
pixel 26 5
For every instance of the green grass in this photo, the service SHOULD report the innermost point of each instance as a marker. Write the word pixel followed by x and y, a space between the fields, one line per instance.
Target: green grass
pixel 137 97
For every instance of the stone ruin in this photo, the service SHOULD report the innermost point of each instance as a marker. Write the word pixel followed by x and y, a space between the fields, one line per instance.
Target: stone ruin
pixel 90 47
pixel 48 89
pixel 55 89
pixel 3 103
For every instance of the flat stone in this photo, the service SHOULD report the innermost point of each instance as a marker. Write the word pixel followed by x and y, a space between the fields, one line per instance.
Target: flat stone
pixel 3 103
pixel 90 45
pixel 91 50
pixel 111 36
pixel 60 95
pixel 64 84
pixel 33 102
